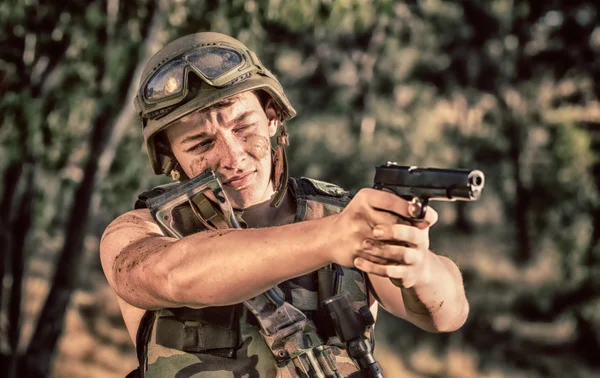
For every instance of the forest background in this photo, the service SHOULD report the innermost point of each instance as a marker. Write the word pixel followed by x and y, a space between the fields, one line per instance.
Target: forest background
pixel 506 86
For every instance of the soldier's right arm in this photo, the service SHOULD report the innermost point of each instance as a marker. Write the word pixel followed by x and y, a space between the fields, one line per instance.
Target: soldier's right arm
pixel 212 268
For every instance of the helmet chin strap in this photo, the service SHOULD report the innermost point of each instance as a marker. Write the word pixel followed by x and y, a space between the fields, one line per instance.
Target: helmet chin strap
pixel 279 170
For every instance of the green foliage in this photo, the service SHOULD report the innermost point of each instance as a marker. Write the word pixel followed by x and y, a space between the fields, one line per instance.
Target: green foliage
pixel 562 214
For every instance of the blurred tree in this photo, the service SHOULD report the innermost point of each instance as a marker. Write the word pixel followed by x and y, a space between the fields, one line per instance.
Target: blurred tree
pixel 66 72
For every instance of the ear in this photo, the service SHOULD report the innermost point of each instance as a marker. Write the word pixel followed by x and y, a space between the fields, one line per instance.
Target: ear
pixel 271 113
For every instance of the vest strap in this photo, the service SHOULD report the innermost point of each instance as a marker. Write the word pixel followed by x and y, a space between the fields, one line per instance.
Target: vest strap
pixel 193 336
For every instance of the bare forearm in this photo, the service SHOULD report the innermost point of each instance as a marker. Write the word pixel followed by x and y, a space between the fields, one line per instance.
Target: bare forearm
pixel 226 267
pixel 439 305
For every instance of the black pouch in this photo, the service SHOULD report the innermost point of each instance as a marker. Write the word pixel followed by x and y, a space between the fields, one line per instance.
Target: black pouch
pixel 211 330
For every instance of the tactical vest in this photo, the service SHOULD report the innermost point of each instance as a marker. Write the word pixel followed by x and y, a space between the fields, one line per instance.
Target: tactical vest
pixel 219 342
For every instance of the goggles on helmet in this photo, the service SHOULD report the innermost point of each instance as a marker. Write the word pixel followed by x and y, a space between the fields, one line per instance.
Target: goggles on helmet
pixel 219 65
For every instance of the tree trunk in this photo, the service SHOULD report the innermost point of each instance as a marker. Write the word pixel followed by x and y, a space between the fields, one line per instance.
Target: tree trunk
pixel 37 361
pixel 593 252
pixel 21 227
pixel 521 201
pixel 12 175
pixel 128 111
pixel 19 217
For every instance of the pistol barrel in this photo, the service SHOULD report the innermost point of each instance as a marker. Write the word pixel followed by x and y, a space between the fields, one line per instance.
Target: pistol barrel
pixel 430 183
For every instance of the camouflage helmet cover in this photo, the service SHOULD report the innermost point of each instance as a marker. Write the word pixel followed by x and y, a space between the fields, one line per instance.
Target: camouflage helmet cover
pixel 207 95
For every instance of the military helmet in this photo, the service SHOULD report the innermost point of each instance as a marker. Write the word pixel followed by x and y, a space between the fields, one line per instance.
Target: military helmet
pixel 221 66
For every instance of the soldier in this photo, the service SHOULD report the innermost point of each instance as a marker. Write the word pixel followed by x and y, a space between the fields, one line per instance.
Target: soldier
pixel 207 102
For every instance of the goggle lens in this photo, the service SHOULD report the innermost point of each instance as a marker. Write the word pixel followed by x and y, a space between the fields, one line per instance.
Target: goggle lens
pixel 210 62
pixel 168 81
pixel 213 62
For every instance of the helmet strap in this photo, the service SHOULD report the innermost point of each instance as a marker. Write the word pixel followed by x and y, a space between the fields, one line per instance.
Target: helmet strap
pixel 280 171
pixel 176 173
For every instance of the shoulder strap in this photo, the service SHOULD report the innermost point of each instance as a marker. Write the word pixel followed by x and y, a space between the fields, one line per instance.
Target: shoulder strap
pixel 140 203
pixel 316 188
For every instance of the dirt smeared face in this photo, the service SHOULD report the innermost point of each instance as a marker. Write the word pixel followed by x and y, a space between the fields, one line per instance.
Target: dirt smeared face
pixel 258 146
pixel 255 145
pixel 233 140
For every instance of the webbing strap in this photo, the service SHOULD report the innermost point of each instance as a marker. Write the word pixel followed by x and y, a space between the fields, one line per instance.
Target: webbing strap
pixel 272 317
pixel 195 337
pixel 206 213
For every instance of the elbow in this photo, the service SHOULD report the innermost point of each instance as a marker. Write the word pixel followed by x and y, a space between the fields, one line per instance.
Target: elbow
pixel 453 320
pixel 172 288
pixel 179 291
pixel 179 284
pixel 184 290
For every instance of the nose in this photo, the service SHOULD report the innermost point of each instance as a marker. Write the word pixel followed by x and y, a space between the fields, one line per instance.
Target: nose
pixel 232 153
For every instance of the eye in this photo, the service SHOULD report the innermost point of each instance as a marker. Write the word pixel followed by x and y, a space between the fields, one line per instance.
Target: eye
pixel 242 128
pixel 202 146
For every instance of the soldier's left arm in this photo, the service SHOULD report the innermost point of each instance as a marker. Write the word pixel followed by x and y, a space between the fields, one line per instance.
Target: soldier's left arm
pixel 412 282
pixel 439 305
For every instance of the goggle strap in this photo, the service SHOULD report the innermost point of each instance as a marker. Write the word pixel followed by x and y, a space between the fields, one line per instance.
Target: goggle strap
pixel 138 106
pixel 256 61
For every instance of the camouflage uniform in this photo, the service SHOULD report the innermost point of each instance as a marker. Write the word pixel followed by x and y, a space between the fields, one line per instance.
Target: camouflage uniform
pixel 225 341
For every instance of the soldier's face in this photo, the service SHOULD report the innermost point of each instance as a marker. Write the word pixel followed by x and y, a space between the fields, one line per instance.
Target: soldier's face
pixel 234 141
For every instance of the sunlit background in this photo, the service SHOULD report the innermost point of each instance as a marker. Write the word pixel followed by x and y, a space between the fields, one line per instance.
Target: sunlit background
pixel 506 86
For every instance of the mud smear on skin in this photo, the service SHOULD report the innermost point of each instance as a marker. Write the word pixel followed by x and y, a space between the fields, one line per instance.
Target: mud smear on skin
pixel 138 255
pixel 124 223
pixel 198 166
pixel 213 234
pixel 255 145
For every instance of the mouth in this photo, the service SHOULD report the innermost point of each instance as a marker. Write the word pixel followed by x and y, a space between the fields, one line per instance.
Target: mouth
pixel 239 181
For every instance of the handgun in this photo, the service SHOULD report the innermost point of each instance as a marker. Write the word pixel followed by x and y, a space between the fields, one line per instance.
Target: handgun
pixel 421 185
